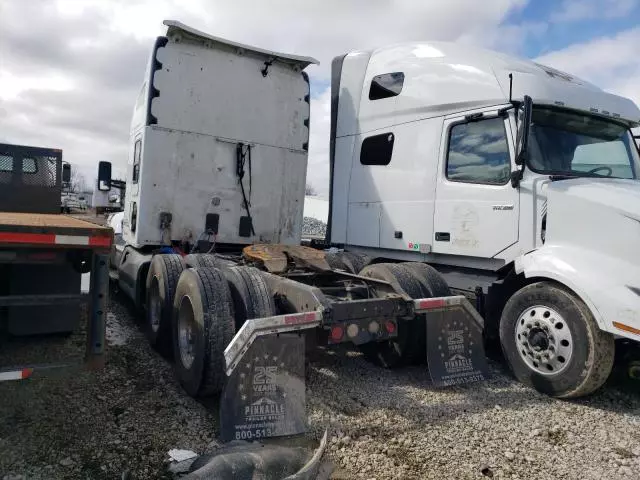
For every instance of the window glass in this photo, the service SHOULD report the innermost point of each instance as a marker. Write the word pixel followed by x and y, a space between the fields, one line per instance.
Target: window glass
pixel 478 152
pixel 6 163
pixel 136 161
pixel 569 143
pixel 377 150
pixel 29 165
pixel 386 85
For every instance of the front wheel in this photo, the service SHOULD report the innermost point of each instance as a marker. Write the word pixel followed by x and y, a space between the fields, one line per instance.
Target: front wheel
pixel 552 342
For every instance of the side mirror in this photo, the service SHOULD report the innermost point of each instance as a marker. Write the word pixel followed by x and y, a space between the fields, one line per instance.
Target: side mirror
pixel 523 137
pixel 104 176
pixel 66 173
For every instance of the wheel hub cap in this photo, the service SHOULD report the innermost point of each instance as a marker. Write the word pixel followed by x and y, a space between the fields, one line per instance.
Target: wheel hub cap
pixel 186 333
pixel 544 340
pixel 538 339
pixel 155 306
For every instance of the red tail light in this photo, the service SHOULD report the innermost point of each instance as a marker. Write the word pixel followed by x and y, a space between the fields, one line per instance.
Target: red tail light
pixel 337 333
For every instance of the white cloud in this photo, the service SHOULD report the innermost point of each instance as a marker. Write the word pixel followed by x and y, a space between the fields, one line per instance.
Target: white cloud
pixel 576 10
pixel 504 38
pixel 70 79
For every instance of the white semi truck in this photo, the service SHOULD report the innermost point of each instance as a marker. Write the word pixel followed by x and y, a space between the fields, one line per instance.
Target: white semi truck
pixel 457 174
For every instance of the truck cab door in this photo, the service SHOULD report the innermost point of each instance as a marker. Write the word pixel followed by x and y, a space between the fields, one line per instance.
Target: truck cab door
pixel 476 209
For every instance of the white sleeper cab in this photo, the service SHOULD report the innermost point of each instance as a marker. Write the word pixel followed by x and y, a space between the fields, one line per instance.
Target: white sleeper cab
pixel 518 182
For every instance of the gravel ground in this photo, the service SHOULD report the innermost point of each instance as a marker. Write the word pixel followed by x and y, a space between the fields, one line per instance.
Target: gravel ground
pixel 99 425
pixel 394 424
pixel 313 226
pixel 383 424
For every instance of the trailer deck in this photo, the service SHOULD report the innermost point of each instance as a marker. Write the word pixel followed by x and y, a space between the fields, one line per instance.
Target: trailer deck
pixel 51 230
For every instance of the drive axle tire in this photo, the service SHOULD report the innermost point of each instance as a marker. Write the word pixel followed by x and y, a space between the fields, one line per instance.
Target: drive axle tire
pixel 202 260
pixel 355 261
pixel 250 294
pixel 430 278
pixel 203 326
pixel 409 346
pixel 348 261
pixel 162 279
pixel 336 261
pixel 552 342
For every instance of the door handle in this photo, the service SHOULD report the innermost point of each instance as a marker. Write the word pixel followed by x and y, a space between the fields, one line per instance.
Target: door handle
pixel 443 236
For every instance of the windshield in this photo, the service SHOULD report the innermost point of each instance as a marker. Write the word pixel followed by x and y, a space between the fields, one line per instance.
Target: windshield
pixel 569 143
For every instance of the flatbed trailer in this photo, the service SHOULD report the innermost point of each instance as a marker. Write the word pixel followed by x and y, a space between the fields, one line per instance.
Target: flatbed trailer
pixel 42 259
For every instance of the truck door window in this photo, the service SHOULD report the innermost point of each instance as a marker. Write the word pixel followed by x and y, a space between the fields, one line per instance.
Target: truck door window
pixel 478 152
pixel 136 161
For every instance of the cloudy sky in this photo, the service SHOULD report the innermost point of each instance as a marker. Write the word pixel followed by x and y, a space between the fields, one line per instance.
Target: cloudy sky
pixel 70 70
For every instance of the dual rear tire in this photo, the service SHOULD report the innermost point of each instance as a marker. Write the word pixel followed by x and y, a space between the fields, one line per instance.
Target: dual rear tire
pixel 198 320
pixel 417 280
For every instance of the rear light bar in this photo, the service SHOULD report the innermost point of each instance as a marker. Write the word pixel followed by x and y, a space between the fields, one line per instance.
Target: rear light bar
pixel 257 327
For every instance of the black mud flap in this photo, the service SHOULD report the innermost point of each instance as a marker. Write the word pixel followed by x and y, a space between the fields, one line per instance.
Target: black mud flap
pixel 265 394
pixel 455 351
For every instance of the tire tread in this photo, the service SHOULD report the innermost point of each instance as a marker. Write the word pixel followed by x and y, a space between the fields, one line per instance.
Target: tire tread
pixel 219 329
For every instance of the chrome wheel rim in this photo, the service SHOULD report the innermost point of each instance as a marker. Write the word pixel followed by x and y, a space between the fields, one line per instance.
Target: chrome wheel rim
pixel 543 340
pixel 186 332
pixel 155 306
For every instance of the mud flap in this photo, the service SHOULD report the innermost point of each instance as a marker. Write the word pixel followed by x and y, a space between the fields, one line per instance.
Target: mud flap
pixel 265 394
pixel 455 350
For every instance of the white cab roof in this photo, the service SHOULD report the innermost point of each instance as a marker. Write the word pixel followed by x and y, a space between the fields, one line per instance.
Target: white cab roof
pixel 442 78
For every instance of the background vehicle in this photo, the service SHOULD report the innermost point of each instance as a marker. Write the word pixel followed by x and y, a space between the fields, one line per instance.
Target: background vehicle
pixel 427 169
pixel 531 208
pixel 109 201
pixel 42 257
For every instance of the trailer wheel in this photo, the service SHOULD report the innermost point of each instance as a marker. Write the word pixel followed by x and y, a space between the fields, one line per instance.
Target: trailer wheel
pixel 409 346
pixel 552 342
pixel 203 326
pixel 202 260
pixel 250 294
pixel 162 279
